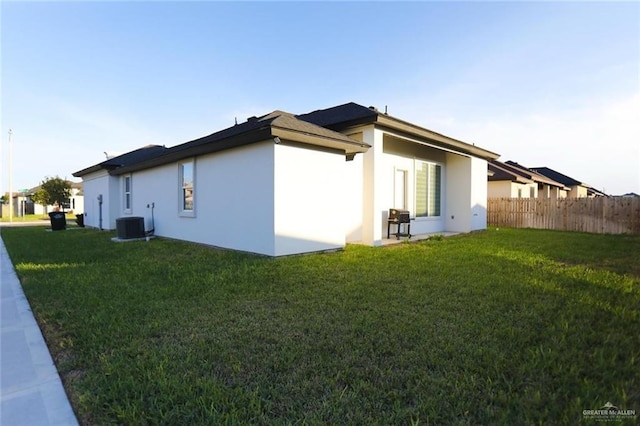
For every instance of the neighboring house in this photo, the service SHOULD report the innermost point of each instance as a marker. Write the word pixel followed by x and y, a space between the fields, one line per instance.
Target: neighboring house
pixel 283 184
pixel 76 202
pixel 629 195
pixel 5 208
pixel 546 187
pixel 27 206
pixel 577 189
pixel 511 180
pixel 20 202
pixel 592 193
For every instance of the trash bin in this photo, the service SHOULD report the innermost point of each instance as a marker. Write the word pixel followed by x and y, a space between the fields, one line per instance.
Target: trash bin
pixel 58 221
pixel 80 220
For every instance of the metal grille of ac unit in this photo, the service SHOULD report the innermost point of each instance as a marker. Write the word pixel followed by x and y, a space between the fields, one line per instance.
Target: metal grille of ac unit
pixel 130 227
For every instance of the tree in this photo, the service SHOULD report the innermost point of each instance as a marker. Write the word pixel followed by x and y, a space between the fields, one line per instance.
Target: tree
pixel 40 197
pixel 53 191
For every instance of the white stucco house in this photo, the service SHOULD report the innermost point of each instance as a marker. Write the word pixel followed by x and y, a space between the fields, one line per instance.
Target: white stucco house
pixel 285 184
pixel 23 204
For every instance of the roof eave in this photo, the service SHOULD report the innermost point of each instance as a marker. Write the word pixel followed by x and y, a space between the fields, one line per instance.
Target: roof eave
pixel 338 127
pixel 178 154
pixel 340 144
pixel 446 141
pixel 509 175
pixel 92 169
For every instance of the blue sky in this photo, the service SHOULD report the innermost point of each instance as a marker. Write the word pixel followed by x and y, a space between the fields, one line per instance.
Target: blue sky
pixel 544 84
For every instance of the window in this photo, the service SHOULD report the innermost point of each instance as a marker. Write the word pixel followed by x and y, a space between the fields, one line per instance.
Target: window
pixel 127 193
pixel 187 187
pixel 428 189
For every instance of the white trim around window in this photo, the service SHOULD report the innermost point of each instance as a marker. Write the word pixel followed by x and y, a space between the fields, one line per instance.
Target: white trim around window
pixel 428 189
pixel 127 192
pixel 187 188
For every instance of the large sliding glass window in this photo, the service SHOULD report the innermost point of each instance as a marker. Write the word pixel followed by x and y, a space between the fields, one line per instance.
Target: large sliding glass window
pixel 428 189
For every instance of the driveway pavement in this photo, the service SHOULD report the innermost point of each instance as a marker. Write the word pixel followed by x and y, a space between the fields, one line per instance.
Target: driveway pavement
pixel 31 392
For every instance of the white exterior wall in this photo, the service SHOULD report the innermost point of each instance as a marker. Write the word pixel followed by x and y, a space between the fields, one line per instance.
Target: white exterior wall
pixel 527 188
pixel 263 198
pixel 577 191
pixel 549 191
pixel 100 183
pixel 458 193
pixel 233 200
pixel 478 193
pixel 559 193
pixel 309 198
pixel 466 193
pixel 508 189
pixel 353 198
pixel 500 189
pixel 40 209
pixel 373 188
pixel 76 201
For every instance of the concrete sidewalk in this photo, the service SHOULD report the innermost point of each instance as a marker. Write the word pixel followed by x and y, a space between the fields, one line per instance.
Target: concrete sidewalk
pixel 31 391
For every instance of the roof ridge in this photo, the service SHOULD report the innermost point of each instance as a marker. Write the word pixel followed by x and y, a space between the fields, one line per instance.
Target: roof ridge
pixel 275 114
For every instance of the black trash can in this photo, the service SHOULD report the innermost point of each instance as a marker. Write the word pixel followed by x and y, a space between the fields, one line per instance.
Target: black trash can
pixel 58 221
pixel 80 220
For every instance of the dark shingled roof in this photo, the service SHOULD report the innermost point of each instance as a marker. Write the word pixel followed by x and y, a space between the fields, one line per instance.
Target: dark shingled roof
pixel 280 119
pixel 255 129
pixel 557 176
pixel 136 156
pixel 502 171
pixel 531 174
pixel 318 128
pixel 341 116
pixel 515 172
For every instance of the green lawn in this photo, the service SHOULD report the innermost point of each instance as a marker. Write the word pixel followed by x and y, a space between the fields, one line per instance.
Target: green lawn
pixel 35 218
pixel 497 327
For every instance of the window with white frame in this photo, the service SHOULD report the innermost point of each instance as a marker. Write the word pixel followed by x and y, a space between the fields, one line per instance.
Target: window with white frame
pixel 126 182
pixel 187 194
pixel 428 188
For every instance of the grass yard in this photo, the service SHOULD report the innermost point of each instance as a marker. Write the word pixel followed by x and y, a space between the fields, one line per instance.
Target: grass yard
pixel 497 327
pixel 35 218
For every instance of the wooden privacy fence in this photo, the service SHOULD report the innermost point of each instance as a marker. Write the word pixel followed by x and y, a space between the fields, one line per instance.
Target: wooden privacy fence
pixel 603 215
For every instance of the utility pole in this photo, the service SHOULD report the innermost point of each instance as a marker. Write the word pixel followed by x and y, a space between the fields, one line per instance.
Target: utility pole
pixel 10 188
